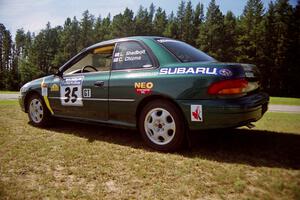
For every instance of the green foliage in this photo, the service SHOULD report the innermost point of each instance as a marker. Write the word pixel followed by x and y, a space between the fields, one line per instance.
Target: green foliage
pixel 180 19
pixel 187 26
pixel 198 19
pixel 28 71
pixel 143 22
pixel 230 37
pixel 268 38
pixel 251 32
pixel 123 24
pixel 160 22
pixel 172 27
pixel 86 30
pixel 211 35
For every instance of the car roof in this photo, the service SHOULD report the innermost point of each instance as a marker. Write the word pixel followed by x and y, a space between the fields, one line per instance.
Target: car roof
pixel 108 42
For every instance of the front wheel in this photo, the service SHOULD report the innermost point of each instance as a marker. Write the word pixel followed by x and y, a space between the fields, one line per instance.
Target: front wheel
pixel 38 113
pixel 162 126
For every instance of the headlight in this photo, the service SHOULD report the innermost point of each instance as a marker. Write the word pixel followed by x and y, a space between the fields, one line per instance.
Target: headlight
pixel 25 87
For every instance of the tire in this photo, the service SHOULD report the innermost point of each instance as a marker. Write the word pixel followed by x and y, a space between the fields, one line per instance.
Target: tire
pixel 162 126
pixel 38 113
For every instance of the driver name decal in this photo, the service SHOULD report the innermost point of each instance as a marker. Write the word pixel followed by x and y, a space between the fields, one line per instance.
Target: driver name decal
pixel 71 91
pixel 129 56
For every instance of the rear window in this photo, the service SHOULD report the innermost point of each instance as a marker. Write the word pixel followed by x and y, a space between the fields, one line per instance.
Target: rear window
pixel 184 52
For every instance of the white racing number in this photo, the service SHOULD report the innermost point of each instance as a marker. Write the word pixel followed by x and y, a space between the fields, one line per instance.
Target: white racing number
pixel 71 91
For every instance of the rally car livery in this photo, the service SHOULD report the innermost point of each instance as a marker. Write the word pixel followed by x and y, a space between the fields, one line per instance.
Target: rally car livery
pixel 161 86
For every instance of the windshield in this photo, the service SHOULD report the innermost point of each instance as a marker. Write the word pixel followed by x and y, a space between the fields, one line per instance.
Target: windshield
pixel 184 52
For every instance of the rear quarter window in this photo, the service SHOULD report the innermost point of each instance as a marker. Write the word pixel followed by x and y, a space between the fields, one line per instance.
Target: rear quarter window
pixel 131 55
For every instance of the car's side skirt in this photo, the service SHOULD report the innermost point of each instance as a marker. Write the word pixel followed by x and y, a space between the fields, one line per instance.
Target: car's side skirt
pixel 113 123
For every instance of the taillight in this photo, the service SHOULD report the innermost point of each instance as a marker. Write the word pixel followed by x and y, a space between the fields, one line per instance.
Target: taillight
pixel 231 87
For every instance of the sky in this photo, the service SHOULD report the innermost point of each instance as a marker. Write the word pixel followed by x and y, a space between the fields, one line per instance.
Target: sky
pixel 33 15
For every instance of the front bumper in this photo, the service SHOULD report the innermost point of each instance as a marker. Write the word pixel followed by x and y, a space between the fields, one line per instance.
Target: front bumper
pixel 226 113
pixel 21 102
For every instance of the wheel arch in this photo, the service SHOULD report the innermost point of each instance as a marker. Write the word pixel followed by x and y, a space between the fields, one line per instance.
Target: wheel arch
pixel 27 97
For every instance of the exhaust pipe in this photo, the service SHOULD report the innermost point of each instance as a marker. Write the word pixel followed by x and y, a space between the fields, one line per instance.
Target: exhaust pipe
pixel 250 125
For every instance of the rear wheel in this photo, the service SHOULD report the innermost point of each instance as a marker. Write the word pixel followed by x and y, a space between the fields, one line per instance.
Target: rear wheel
pixel 162 126
pixel 38 113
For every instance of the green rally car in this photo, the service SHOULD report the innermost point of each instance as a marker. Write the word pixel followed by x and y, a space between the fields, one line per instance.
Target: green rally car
pixel 161 86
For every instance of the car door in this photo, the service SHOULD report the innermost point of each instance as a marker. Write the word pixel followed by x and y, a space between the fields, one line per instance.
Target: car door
pixel 132 67
pixel 82 90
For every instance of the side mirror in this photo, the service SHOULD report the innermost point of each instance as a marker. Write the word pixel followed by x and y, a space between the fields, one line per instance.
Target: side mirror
pixel 58 73
pixel 53 70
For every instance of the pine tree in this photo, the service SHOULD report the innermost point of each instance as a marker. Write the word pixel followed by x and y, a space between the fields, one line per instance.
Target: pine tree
pixel 86 30
pixel 142 22
pixel 27 71
pixel 230 37
pixel 151 12
pixel 20 41
pixel 106 28
pixel 283 14
pixel 269 48
pixel 251 33
pixel 6 57
pixel 6 50
pixel 211 34
pixel 151 18
pixel 123 24
pixel 187 26
pixel 98 34
pixel 198 19
pixel 160 22
pixel 171 30
pixel 180 20
pixel 18 54
pixel 2 29
pixel 294 54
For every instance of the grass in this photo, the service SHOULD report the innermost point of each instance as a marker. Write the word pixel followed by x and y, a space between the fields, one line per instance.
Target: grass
pixel 79 161
pixel 9 92
pixel 280 122
pixel 285 101
pixel 8 102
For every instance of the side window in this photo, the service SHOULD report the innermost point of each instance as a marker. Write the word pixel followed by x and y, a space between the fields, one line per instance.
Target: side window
pixel 100 59
pixel 131 55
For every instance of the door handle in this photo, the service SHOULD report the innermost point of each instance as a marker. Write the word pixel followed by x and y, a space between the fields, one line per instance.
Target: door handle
pixel 99 83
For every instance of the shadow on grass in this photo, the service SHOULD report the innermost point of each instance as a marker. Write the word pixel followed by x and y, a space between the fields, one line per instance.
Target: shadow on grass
pixel 243 146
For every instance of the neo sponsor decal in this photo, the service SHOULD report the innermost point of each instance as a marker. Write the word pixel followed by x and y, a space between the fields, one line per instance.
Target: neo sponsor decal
pixel 196 113
pixel 143 87
pixel 188 70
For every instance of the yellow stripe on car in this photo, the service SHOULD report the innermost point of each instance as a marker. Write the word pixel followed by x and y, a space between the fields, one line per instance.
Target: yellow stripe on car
pixel 48 104
pixel 44 86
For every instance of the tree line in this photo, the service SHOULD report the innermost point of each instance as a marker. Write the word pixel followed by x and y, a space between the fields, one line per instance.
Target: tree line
pixel 268 37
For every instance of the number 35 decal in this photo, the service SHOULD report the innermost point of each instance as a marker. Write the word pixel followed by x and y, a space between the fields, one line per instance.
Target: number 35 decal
pixel 68 94
pixel 71 91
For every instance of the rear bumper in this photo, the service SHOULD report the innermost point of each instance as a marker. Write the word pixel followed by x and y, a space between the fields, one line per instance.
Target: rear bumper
pixel 226 113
